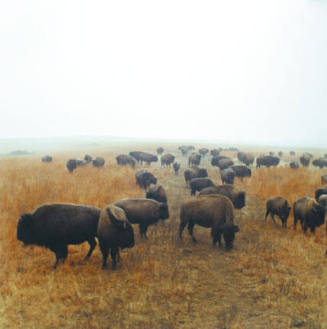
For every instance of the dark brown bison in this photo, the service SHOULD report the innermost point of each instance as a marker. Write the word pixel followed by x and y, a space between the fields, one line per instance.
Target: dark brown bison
pixel 194 172
pixel 305 160
pixel 46 158
pixel 278 206
pixel 98 162
pixel 215 212
pixel 194 159
pixel 321 163
pixel 141 157
pixel 230 191
pixel 157 192
pixel 114 232
pixel 57 225
pixel 124 159
pixel 198 184
pixel 144 212
pixel 176 166
pixel 245 158
pixel 225 163
pixel 215 152
pixel 144 178
pixel 227 176
pixel 241 171
pixel 87 158
pixel 310 214
pixel 215 160
pixel 71 165
pixel 294 165
pixel 167 160
pixel 267 160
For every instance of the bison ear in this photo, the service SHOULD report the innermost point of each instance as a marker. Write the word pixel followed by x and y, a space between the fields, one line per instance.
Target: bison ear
pixel 236 228
pixel 118 223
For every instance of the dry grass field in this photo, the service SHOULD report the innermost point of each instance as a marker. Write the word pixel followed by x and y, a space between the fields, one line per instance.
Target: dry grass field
pixel 273 278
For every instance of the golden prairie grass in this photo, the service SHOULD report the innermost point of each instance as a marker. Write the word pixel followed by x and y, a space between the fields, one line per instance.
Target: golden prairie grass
pixel 272 279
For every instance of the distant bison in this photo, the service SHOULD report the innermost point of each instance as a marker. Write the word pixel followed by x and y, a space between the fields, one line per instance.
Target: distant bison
pixel 185 149
pixel 227 176
pixel 294 165
pixel 160 150
pixel 158 193
pixel 46 158
pixel 310 214
pixel 71 165
pixel 245 158
pixel 98 162
pixel 267 160
pixel 124 159
pixel 230 191
pixel 215 160
pixel 194 172
pixel 144 178
pixel 215 152
pixel 141 157
pixel 278 206
pixel 194 159
pixel 57 225
pixel 203 151
pixel 225 163
pixel 87 158
pixel 197 184
pixel 241 171
pixel 167 160
pixel 321 163
pixel 144 212
pixel 305 160
pixel 114 232
pixel 215 212
pixel 176 166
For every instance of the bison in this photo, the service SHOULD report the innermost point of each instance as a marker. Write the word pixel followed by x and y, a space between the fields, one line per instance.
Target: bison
pixel 194 159
pixel 143 156
pixel 310 214
pixel 215 160
pixel 57 225
pixel 294 165
pixel 245 158
pixel 158 193
pixel 144 178
pixel 124 159
pixel 160 150
pixel 267 160
pixel 305 160
pixel 144 212
pixel 227 176
pixel 46 158
pixel 167 160
pixel 320 191
pixel 194 172
pixel 114 232
pixel 241 171
pixel 214 211
pixel 225 163
pixel 176 166
pixel 321 163
pixel 71 165
pixel 197 184
pixel 98 162
pixel 203 151
pixel 278 206
pixel 230 191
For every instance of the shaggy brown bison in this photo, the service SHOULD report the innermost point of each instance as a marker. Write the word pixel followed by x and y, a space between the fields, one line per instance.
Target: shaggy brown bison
pixel 213 211
pixel 278 206
pixel 197 184
pixel 71 165
pixel 144 178
pixel 227 176
pixel 267 160
pixel 57 225
pixel 158 193
pixel 225 163
pixel 167 160
pixel 124 159
pixel 144 212
pixel 203 151
pixel 245 158
pixel 141 157
pixel 294 165
pixel 98 162
pixel 46 158
pixel 305 160
pixel 216 159
pixel 310 214
pixel 176 166
pixel 241 171
pixel 194 172
pixel 230 191
pixel 194 159
pixel 114 232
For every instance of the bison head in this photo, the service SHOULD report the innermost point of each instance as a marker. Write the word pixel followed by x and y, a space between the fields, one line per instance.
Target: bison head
pixel 239 200
pixel 229 235
pixel 25 229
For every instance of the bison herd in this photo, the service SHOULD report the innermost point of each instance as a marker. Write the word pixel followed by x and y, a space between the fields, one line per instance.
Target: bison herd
pixel 57 225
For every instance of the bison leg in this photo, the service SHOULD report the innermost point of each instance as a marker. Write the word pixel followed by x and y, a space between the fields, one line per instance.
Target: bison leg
pixel 61 252
pixel 295 222
pixel 216 235
pixel 267 213
pixel 143 228
pixel 183 224
pixel 190 230
pixel 92 244
pixel 114 252
pixel 105 251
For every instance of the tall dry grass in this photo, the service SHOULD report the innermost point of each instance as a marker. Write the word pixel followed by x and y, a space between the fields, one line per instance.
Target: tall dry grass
pixel 272 279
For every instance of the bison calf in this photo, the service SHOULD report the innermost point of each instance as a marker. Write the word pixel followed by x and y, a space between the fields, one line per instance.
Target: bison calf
pixel 278 206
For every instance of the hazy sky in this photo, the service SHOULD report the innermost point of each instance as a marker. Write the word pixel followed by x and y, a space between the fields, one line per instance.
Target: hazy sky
pixel 239 70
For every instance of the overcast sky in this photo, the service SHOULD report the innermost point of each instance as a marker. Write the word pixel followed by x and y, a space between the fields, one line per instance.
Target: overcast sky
pixel 240 71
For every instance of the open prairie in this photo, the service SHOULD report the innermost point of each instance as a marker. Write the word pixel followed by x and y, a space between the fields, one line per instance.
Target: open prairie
pixel 272 278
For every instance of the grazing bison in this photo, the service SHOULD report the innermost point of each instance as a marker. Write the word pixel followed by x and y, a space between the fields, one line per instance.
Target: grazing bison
pixel 46 158
pixel 114 232
pixel 324 179
pixel 310 214
pixel 305 160
pixel 241 171
pixel 320 191
pixel 167 160
pixel 230 191
pixel 143 156
pixel 194 172
pixel 144 178
pixel 176 166
pixel 215 160
pixel 144 212
pixel 98 162
pixel 158 193
pixel 267 160
pixel 294 165
pixel 71 165
pixel 245 158
pixel 214 211
pixel 227 176
pixel 194 159
pixel 57 225
pixel 225 163
pixel 197 184
pixel 321 163
pixel 124 159
pixel 203 151
pixel 160 150
pixel 278 206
